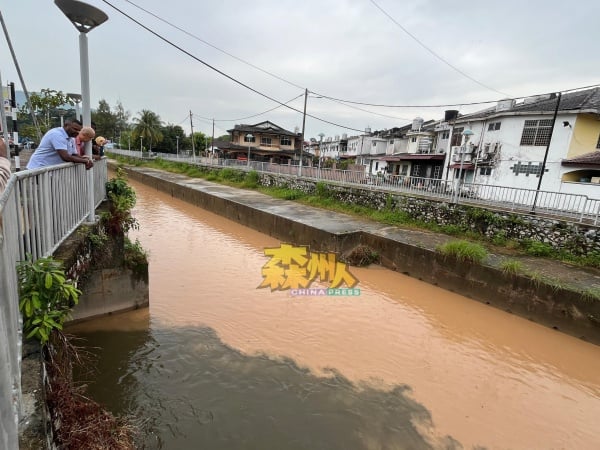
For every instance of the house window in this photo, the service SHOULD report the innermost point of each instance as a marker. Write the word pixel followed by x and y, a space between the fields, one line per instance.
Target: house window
pixel 373 144
pixel 247 139
pixel 414 139
pixel 485 171
pixel 457 136
pixel 404 169
pixel 437 172
pixel 536 132
pixel 265 141
pixel 598 144
pixel 391 141
pixel 417 170
pixel 446 134
pixel 494 126
pixel 286 141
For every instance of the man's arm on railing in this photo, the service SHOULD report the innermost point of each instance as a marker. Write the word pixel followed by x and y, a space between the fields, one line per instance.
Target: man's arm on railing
pixel 64 154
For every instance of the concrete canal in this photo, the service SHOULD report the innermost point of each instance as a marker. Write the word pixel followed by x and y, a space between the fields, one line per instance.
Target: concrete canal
pixel 216 363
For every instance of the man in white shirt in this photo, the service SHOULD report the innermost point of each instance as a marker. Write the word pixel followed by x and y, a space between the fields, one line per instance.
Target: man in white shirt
pixel 57 147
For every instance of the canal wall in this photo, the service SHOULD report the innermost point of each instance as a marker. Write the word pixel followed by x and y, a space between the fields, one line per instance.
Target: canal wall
pixel 107 285
pixel 563 307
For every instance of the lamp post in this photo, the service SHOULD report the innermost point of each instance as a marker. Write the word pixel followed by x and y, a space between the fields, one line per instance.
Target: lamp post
pixel 467 134
pixel 85 18
pixel 61 113
pixel 177 137
pixel 141 145
pixel 249 138
pixel 321 135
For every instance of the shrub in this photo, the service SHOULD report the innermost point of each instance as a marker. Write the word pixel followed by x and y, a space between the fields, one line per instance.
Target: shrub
pixel 46 297
pixel 537 248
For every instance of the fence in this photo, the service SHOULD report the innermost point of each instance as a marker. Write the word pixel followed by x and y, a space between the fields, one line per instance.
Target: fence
pixel 574 207
pixel 39 209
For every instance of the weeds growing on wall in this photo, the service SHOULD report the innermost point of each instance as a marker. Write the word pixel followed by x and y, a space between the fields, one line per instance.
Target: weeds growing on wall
pixel 463 251
pixel 46 297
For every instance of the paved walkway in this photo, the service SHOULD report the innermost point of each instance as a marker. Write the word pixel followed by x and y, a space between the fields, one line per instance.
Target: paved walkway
pixel 560 273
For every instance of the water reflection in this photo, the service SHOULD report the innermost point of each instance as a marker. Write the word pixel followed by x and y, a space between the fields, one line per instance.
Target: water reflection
pixel 232 400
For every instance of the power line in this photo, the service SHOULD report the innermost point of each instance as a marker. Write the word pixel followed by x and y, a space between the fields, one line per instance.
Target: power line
pixel 214 46
pixel 342 101
pixel 434 53
pixel 223 73
pixel 253 115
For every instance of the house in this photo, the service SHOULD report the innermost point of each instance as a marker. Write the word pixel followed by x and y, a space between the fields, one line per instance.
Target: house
pixel 263 141
pixel 514 144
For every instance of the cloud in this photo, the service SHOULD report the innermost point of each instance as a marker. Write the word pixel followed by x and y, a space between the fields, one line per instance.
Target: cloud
pixel 341 48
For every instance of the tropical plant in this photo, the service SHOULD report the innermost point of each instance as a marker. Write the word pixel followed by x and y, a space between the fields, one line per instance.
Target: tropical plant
pixel 147 127
pixel 122 200
pixel 46 296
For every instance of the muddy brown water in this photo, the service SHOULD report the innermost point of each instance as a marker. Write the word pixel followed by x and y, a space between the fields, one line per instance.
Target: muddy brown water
pixel 217 363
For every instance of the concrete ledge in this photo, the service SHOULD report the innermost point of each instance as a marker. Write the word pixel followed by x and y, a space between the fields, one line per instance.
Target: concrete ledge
pixel 402 250
pixel 110 291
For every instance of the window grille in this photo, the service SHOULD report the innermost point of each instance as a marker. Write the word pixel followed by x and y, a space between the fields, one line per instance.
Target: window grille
pixel 536 132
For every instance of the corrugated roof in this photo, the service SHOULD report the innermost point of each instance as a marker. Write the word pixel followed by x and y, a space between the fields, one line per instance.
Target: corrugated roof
pixel 581 101
pixel 587 159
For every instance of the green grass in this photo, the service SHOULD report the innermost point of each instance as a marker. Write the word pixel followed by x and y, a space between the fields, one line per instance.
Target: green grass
pixel 512 267
pixel 463 251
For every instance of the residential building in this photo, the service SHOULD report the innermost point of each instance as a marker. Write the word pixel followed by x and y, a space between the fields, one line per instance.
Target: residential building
pixel 513 142
pixel 264 141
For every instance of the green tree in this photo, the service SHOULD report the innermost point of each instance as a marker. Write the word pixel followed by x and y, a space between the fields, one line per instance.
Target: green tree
pixel 170 142
pixel 122 117
pixel 147 126
pixel 105 120
pixel 46 105
pixel 224 137
pixel 200 142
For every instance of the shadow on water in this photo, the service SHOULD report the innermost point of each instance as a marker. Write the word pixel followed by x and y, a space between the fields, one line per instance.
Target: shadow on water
pixel 190 390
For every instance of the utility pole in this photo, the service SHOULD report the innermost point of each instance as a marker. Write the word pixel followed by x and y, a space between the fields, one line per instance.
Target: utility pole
pixel 13 106
pixel 537 191
pixel 302 137
pixel 192 128
pixel 212 139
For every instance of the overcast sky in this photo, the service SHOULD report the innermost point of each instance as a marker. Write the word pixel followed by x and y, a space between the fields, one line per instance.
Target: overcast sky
pixel 346 49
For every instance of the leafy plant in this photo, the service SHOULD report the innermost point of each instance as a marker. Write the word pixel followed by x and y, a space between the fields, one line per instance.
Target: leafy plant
pixel 122 200
pixel 537 248
pixel 463 251
pixel 46 297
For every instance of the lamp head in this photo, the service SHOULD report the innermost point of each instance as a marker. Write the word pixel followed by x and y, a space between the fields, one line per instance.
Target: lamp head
pixel 468 133
pixel 249 136
pixel 83 16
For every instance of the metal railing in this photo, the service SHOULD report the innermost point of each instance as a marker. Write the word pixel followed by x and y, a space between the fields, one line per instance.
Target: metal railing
pixel 39 209
pixel 576 207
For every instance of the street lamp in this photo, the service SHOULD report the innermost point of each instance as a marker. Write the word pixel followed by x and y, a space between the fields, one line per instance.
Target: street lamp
pixel 76 98
pixel 141 145
pixel 85 18
pixel 249 138
pixel 467 134
pixel 321 135
pixel 177 137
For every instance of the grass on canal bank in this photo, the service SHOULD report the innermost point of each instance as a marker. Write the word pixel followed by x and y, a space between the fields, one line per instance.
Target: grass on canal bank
pixel 322 197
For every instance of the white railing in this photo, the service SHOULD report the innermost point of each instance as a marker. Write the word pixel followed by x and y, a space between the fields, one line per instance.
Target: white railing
pixel 39 209
pixel 572 206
